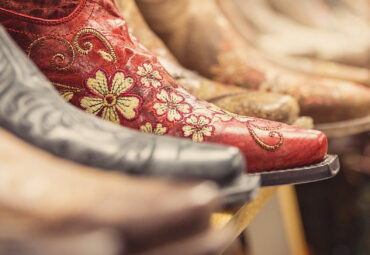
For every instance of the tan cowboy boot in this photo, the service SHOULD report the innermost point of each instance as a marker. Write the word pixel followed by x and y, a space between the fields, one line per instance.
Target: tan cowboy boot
pixel 202 38
pixel 47 196
pixel 358 7
pixel 265 105
pixel 327 15
pixel 264 26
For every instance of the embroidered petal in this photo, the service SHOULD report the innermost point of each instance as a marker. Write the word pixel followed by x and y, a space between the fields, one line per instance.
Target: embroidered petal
pixel 188 130
pixel 141 71
pixel 161 108
pixel 160 130
pixel 147 128
pixel 156 83
pixel 121 84
pixel 176 98
pixel 163 96
pixel 127 106
pixel 197 136
pixel 203 121
pixel 173 115
pixel 146 81
pixel 66 95
pixel 99 84
pixel 207 131
pixel 192 120
pixel 109 113
pixel 92 105
pixel 148 68
pixel 184 108
pixel 157 75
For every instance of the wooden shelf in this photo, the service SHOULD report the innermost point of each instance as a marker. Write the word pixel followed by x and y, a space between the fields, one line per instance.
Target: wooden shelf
pixel 240 217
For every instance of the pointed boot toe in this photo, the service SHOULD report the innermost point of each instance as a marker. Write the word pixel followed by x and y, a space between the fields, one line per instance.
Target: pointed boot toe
pixel 203 160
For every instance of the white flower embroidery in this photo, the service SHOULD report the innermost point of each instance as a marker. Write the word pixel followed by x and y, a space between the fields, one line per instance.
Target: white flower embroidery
pixel 149 77
pixel 172 105
pixel 158 130
pixel 198 128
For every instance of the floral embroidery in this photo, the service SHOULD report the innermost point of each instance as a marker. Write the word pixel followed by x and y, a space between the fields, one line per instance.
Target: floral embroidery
pixel 111 99
pixel 158 130
pixel 149 76
pixel 198 128
pixel 172 105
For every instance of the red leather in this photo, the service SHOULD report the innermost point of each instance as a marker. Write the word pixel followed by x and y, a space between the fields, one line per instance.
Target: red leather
pixel 97 66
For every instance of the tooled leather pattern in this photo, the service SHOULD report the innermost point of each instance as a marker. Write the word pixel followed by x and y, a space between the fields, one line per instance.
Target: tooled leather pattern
pixel 32 110
pixel 51 9
pixel 85 56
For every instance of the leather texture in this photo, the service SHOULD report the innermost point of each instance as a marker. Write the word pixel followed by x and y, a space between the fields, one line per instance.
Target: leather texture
pixel 94 63
pixel 47 203
pixel 283 38
pixel 31 109
pixel 272 106
pixel 216 50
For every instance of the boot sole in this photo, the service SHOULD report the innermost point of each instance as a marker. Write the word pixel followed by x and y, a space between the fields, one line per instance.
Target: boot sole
pixel 327 168
pixel 345 128
pixel 245 188
pixel 242 190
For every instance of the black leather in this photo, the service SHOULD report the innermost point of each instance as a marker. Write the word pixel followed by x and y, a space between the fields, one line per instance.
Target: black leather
pixel 31 109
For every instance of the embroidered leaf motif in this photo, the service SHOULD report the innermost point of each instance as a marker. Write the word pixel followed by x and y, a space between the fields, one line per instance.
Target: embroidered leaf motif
pixel 105 55
pixel 67 95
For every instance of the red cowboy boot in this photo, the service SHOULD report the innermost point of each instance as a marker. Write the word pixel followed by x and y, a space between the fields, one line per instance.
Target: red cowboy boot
pixel 85 49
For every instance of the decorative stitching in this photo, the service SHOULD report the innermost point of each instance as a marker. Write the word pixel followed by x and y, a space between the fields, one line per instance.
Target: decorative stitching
pixel 110 96
pixel 58 55
pixel 171 105
pixel 111 56
pixel 159 128
pixel 272 133
pixel 227 116
pixel 198 127
pixel 149 76
pixel 67 87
